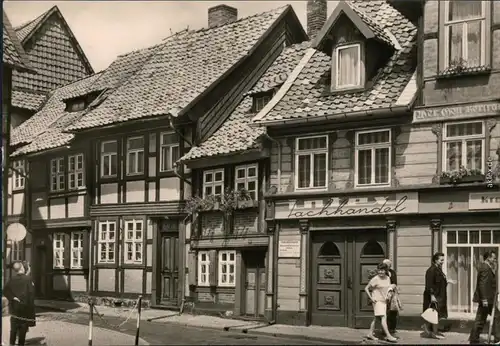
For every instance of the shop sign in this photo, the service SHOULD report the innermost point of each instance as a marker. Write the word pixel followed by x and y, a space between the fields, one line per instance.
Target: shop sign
pixel 475 110
pixel 391 204
pixel 484 200
pixel 289 248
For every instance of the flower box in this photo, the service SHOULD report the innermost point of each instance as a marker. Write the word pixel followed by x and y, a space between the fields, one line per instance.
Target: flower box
pixel 463 180
pixel 247 203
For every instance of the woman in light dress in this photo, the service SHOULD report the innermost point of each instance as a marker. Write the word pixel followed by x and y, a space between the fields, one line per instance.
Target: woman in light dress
pixel 377 290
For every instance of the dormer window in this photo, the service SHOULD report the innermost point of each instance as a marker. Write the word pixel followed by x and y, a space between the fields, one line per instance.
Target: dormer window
pixel 347 69
pixel 75 105
pixel 260 101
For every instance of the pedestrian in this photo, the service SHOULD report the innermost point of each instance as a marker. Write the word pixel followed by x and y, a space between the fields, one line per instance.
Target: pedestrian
pixel 377 290
pixel 20 294
pixel 392 315
pixel 435 294
pixel 485 295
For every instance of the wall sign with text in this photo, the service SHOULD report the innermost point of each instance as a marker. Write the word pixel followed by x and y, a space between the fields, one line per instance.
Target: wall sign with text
pixel 484 200
pixel 389 204
pixel 474 110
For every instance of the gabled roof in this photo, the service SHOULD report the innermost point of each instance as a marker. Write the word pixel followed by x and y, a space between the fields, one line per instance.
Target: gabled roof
pixel 184 68
pixel 236 135
pixel 305 99
pixel 13 52
pixel 366 25
pixel 30 100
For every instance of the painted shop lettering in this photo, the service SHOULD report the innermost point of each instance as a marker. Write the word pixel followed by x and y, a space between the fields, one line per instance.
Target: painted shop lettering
pixel 458 111
pixel 341 209
pixel 486 199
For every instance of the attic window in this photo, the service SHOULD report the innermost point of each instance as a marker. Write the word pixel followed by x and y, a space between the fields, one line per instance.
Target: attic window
pixel 75 105
pixel 261 100
pixel 348 67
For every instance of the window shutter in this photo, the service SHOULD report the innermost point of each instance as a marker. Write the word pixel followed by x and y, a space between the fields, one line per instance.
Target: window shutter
pixel 86 249
pixel 192 269
pixel 212 279
pixel 67 250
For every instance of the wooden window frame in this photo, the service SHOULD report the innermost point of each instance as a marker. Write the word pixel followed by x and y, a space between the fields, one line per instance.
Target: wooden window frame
pixel 73 173
pixel 372 147
pixel 260 101
pixel 111 244
pixel 206 262
pixel 463 140
pixel 17 252
pixel 135 152
pixel 134 241
pixel 78 236
pixel 245 180
pixel 228 263
pixel 58 239
pixel 59 174
pixel 18 180
pixel 170 148
pixel 109 155
pixel 336 67
pixel 214 183
pixel 311 153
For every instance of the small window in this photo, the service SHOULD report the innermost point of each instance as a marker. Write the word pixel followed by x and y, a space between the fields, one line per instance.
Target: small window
pixel 17 251
pixel 348 66
pixel 134 241
pixel 329 249
pixel 372 248
pixel 135 155
pixel 58 247
pixel 373 158
pixel 75 105
pixel 203 268
pixel 75 171
pixel 106 242
pixel 77 250
pixel 247 179
pixel 227 268
pixel 169 152
pixel 465 33
pixel 213 182
pixel 57 182
pixel 463 145
pixel 261 101
pixel 311 160
pixel 109 159
pixel 18 174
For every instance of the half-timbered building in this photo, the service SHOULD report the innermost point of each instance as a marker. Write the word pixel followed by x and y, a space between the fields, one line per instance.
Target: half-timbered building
pixel 230 251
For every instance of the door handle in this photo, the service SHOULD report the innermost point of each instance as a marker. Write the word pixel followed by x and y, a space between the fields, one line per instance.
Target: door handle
pixel 349 282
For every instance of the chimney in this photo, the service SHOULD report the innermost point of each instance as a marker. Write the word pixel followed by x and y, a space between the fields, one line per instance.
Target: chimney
pixel 221 14
pixel 316 17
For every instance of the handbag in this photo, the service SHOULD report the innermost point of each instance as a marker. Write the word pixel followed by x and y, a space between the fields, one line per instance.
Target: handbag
pixel 431 315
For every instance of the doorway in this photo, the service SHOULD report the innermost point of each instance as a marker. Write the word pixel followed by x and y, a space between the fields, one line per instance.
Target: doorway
pixel 169 268
pixel 341 266
pixel 40 272
pixel 254 290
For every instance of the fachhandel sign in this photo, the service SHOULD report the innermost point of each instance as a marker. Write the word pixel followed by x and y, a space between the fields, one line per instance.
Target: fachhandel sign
pixel 474 110
pixel 390 204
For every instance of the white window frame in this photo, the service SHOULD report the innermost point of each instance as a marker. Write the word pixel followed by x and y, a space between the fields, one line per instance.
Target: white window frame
pixel 59 174
pixel 110 243
pixel 245 180
pixel 201 263
pixel 164 166
pixel 74 173
pixel 17 250
pixel 134 241
pixel 227 263
pixel 372 147
pixel 464 140
pixel 135 153
pixel 109 156
pixel 213 184
pixel 58 248
pixel 472 285
pixel 77 251
pixel 465 50
pixel 337 66
pixel 311 153
pixel 18 181
pixel 261 102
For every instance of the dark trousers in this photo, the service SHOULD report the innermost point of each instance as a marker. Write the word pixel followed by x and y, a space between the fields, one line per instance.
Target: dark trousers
pixel 481 316
pixel 18 330
pixel 392 320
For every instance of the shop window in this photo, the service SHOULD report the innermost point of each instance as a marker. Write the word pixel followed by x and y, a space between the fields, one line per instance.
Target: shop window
pixel 463 145
pixel 227 267
pixel 373 158
pixel 464 249
pixel 329 249
pixel 372 248
pixel 311 162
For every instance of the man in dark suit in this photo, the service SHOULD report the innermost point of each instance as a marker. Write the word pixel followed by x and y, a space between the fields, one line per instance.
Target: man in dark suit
pixel 392 316
pixel 485 295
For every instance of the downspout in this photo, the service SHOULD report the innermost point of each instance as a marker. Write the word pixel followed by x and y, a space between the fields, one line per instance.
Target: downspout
pixel 278 173
pixel 178 132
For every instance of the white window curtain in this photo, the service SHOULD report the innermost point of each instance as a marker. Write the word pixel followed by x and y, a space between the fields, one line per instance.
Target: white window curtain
pixel 348 66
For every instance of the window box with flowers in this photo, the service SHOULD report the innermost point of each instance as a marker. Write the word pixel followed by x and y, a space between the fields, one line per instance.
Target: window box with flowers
pixel 462 176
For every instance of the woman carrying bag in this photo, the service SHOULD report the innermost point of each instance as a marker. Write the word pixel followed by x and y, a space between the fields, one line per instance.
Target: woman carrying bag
pixel 435 298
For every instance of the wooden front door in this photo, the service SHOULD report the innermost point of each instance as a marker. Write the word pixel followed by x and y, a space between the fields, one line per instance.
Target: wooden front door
pixel 254 284
pixel 39 269
pixel 339 264
pixel 169 268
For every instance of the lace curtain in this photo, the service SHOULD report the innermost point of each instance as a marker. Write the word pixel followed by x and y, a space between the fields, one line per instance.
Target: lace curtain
pixel 348 66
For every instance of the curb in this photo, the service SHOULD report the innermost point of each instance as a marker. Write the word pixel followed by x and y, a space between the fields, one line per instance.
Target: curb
pixel 304 337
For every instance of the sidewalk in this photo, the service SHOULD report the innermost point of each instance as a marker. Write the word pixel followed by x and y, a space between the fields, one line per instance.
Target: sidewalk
pixel 312 333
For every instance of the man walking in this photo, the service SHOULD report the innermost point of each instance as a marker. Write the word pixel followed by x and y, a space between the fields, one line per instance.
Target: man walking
pixel 485 295
pixel 392 316
pixel 20 293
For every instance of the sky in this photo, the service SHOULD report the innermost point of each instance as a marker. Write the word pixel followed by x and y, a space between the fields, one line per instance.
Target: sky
pixel 106 29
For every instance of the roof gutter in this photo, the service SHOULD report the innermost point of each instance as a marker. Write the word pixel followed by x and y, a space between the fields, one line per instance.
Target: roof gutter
pixel 396 110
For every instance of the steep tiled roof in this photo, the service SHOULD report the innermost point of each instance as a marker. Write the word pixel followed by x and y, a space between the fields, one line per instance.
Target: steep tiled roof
pixel 235 135
pixel 44 129
pixel 306 96
pixel 54 53
pixel 372 24
pixel 182 69
pixel 27 99
pixel 13 52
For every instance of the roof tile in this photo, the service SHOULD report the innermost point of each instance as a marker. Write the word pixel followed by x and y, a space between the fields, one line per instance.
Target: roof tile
pixel 27 100
pixel 13 52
